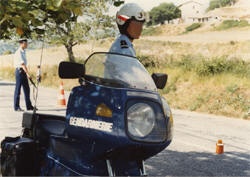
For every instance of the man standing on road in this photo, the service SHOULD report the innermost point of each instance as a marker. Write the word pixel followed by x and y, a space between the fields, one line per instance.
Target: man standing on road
pixel 22 76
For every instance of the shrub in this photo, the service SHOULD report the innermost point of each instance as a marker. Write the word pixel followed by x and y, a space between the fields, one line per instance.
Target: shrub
pixel 227 24
pixel 222 65
pixel 219 3
pixel 208 67
pixel 150 31
pixel 213 5
pixel 7 52
pixel 148 61
pixel 211 67
pixel 186 63
pixel 193 27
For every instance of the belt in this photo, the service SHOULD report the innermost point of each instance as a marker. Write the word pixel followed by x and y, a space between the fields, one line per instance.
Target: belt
pixel 20 69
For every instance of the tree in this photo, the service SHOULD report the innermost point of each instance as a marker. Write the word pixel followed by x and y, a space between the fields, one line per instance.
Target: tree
pixel 163 12
pixel 35 16
pixel 55 17
pixel 72 32
pixel 22 16
pixel 61 22
pixel 220 3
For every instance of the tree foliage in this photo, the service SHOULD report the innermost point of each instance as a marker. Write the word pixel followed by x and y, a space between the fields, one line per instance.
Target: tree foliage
pixel 74 30
pixel 220 3
pixel 163 12
pixel 20 15
pixel 36 16
pixel 54 18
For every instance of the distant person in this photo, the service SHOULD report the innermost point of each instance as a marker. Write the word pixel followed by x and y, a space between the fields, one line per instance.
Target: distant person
pixel 130 19
pixel 22 75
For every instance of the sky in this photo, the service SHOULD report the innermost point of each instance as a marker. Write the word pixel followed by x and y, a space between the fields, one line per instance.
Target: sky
pixel 147 5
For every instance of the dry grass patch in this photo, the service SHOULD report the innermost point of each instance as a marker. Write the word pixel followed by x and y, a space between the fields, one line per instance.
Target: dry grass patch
pixel 221 91
pixel 223 94
pixel 175 50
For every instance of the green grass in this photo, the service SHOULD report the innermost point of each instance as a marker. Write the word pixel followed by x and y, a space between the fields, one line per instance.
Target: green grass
pixel 213 4
pixel 227 24
pixel 209 67
pixel 216 85
pixel 212 85
pixel 193 27
pixel 151 31
pixel 222 94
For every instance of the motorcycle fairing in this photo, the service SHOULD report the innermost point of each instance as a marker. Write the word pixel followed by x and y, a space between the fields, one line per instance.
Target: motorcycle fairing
pixel 93 144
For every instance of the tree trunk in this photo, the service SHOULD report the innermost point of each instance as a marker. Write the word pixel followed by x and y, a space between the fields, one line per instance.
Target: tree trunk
pixel 71 56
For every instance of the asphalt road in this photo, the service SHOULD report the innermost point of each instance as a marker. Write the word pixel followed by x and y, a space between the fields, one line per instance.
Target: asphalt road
pixel 192 152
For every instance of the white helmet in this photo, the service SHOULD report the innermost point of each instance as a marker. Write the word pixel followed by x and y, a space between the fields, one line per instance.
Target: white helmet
pixel 130 11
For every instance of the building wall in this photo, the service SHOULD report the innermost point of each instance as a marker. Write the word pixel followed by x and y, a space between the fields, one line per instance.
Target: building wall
pixel 191 10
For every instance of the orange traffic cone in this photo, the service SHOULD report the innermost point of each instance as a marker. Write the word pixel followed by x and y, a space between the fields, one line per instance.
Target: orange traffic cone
pixel 219 147
pixel 61 98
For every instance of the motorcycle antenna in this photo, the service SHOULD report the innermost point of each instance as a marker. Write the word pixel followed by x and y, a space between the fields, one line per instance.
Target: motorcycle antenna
pixel 38 80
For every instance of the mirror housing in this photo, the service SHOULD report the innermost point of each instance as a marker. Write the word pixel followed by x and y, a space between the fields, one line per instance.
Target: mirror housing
pixel 69 70
pixel 160 80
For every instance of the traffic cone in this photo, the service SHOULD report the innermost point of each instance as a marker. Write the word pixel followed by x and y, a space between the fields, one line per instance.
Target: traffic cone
pixel 61 98
pixel 219 147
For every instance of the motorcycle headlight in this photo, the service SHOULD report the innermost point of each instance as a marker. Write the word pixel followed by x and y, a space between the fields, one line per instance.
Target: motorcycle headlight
pixel 141 119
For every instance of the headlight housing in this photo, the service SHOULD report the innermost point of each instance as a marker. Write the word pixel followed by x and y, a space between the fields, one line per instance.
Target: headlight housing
pixel 168 113
pixel 146 121
pixel 141 119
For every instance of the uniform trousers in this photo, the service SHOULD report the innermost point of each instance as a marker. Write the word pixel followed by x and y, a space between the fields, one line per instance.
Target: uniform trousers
pixel 22 81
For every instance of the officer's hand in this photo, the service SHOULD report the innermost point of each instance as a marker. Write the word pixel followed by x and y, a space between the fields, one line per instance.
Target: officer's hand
pixel 28 76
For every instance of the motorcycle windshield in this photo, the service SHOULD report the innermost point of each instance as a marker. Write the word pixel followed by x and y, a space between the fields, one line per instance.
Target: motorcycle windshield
pixel 116 70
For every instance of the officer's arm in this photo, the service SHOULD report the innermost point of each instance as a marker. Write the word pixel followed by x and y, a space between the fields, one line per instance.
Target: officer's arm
pixel 25 69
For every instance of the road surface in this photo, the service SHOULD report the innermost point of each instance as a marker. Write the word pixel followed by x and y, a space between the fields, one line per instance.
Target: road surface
pixel 192 152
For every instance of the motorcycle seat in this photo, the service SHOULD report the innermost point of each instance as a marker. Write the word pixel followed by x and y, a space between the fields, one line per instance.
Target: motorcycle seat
pixel 45 125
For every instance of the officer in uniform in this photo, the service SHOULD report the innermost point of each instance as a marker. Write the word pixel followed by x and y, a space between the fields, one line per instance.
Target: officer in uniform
pixel 22 76
pixel 129 19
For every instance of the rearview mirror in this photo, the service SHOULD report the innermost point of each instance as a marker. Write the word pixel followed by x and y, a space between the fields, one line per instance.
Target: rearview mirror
pixel 160 80
pixel 68 70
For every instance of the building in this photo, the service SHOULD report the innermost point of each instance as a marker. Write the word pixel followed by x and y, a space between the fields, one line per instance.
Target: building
pixel 193 12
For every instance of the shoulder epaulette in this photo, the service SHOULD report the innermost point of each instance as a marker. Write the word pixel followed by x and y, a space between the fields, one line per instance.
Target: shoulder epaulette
pixel 124 44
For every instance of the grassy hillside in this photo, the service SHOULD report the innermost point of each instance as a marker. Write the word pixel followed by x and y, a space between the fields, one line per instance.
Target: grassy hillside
pixel 205 77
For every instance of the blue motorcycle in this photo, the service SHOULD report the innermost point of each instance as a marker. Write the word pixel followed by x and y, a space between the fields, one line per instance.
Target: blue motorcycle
pixel 115 120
